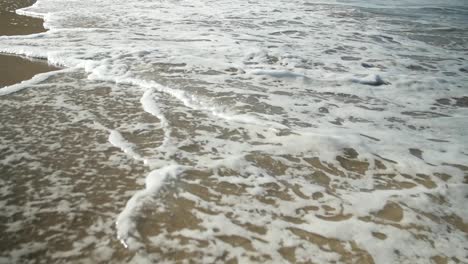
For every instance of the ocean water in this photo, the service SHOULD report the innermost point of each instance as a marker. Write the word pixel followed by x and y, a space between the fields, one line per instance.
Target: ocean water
pixel 202 131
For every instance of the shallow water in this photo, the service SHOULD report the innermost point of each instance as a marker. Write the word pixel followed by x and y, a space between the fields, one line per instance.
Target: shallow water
pixel 212 131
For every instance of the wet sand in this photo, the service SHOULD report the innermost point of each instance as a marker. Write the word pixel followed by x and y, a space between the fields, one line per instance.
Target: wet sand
pixel 14 24
pixel 14 69
pixel 73 155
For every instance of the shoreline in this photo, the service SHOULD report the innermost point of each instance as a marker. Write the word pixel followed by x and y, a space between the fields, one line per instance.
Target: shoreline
pixel 13 68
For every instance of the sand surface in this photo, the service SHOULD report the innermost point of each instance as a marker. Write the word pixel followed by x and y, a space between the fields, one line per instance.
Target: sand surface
pixel 238 132
pixel 14 24
pixel 16 69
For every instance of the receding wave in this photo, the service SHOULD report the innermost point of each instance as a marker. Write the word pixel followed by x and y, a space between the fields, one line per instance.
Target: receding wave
pixel 237 132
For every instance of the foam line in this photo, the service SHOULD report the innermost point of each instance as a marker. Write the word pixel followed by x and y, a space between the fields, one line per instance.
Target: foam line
pixel 150 106
pixel 126 223
pixel 116 139
pixel 34 81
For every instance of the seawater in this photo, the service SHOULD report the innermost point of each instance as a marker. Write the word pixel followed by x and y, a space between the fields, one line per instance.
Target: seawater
pixel 238 132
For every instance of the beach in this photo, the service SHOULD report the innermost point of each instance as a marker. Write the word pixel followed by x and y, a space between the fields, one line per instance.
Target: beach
pixel 234 132
pixel 15 69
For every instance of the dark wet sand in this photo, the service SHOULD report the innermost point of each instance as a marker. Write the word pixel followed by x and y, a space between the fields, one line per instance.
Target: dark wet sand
pixel 15 69
pixel 14 24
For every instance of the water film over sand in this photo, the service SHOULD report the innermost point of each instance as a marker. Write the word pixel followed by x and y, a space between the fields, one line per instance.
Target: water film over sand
pixel 220 132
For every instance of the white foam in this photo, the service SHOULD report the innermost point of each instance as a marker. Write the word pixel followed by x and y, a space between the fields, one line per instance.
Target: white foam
pixel 116 139
pixel 38 78
pixel 243 79
pixel 149 105
pixel 126 221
